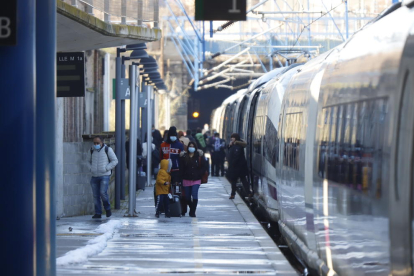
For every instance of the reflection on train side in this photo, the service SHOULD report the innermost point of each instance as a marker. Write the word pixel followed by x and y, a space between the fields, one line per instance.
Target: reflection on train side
pixel 351 139
pixel 292 129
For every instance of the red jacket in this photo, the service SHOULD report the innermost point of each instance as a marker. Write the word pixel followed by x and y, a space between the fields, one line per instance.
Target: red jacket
pixel 172 151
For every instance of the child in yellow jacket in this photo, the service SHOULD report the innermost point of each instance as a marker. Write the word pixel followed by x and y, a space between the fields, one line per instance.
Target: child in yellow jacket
pixel 162 188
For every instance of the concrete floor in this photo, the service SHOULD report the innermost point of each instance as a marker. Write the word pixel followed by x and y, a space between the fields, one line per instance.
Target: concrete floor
pixel 224 239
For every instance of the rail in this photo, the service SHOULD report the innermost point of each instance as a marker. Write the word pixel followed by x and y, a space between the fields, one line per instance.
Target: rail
pixel 125 12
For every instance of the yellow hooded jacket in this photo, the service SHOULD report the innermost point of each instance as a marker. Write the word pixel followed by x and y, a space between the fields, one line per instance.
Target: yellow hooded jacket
pixel 162 177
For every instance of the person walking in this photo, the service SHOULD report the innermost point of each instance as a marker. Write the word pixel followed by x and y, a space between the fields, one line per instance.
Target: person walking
pixel 192 168
pixel 217 146
pixel 201 141
pixel 190 136
pixel 156 135
pixel 184 140
pixel 171 149
pixel 237 164
pixel 102 161
pixel 162 188
pixel 154 161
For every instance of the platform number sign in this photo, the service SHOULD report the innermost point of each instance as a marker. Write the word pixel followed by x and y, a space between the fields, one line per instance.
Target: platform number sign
pixel 219 10
pixel 8 22
pixel 70 74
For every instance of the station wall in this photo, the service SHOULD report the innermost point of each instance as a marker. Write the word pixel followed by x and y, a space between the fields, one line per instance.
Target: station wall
pixel 78 120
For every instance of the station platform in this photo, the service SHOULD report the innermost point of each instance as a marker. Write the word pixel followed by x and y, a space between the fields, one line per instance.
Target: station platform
pixel 224 239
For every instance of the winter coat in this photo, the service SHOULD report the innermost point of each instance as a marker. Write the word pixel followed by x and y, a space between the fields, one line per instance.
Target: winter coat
pixel 192 168
pixel 157 138
pixel 237 161
pixel 200 140
pixel 162 177
pixel 172 151
pixel 99 163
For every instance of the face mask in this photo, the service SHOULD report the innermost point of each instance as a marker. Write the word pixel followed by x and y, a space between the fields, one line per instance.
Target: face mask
pixel 97 146
pixel 173 138
pixel 191 149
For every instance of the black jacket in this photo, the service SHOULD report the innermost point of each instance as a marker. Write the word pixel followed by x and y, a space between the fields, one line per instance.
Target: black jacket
pixel 237 161
pixel 192 168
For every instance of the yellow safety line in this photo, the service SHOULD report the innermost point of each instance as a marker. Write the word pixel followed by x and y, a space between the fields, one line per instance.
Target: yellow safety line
pixel 197 248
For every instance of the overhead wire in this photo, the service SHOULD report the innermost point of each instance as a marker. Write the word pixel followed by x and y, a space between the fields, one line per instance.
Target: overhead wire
pixel 306 26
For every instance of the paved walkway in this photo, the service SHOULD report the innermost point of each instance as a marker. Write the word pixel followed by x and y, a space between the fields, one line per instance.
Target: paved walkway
pixel 224 239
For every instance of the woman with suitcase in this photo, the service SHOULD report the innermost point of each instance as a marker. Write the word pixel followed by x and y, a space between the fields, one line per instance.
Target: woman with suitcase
pixel 192 168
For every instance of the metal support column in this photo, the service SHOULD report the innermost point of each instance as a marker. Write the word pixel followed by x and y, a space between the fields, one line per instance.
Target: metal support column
pixel 122 157
pixel 346 20
pixel 45 137
pixel 17 127
pixel 118 146
pixel 123 11
pixel 140 13
pixel 149 134
pixel 107 16
pixel 132 140
pixel 156 14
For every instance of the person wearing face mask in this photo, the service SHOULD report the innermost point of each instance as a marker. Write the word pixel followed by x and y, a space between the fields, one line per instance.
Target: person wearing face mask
pixel 192 168
pixel 170 149
pixel 102 161
pixel 237 164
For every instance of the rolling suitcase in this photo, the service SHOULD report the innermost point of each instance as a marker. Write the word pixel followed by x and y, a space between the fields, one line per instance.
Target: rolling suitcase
pixel 175 204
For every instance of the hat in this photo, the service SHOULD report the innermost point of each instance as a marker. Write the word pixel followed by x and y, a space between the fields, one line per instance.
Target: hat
pixel 172 131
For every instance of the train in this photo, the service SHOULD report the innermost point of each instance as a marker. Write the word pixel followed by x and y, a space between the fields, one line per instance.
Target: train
pixel 331 149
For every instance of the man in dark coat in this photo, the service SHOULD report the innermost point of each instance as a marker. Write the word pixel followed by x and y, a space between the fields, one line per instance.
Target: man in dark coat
pixel 237 164
pixel 216 147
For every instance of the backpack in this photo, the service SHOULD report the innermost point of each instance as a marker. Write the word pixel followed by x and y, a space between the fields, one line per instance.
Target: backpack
pixel 106 151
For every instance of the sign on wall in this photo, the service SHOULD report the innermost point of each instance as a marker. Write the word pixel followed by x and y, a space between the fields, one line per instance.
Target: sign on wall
pixel 71 74
pixel 212 10
pixel 8 22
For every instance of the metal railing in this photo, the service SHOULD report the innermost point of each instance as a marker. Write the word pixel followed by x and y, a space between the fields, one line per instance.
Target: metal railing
pixel 127 12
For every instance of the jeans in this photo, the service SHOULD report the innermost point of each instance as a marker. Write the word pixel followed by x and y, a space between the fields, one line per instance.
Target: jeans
pixel 100 186
pixel 191 191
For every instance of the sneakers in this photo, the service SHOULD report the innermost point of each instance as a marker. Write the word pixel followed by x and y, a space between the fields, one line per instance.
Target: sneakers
pixel 108 213
pixel 96 216
pixel 231 197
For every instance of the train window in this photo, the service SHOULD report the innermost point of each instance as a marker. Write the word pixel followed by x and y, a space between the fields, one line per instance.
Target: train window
pixel 242 113
pixel 258 134
pixel 292 129
pixel 350 151
pixel 270 143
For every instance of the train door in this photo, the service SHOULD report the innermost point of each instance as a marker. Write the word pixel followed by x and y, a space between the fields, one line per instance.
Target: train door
pixel 402 171
pixel 249 153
